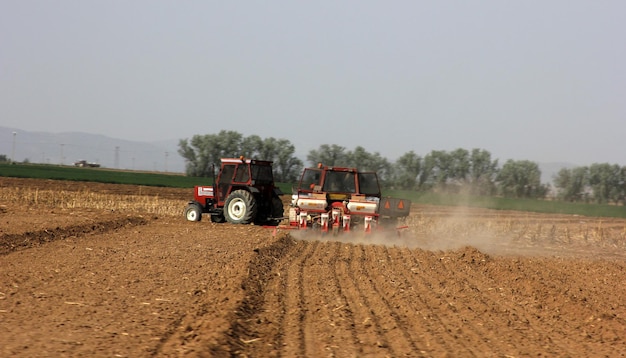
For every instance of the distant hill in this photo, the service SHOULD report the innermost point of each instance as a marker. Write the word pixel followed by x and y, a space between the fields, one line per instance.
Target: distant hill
pixel 69 147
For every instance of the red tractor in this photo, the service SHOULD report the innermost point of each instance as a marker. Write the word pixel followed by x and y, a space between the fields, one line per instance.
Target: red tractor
pixel 340 199
pixel 243 193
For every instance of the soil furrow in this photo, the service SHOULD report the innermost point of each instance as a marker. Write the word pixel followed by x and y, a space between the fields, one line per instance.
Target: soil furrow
pixel 399 281
pixel 521 317
pixel 386 287
pixel 362 282
pixel 21 241
pixel 367 333
pixel 324 326
pixel 350 345
pixel 537 300
pixel 304 308
pixel 488 306
pixel 436 285
pixel 480 302
pixel 415 297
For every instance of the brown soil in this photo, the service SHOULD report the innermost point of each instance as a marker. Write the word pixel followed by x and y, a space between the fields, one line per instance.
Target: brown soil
pixel 458 282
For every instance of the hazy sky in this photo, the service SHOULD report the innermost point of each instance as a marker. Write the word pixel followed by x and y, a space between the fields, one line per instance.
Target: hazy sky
pixel 538 80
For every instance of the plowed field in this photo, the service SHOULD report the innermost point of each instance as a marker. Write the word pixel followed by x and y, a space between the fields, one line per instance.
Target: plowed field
pixel 101 270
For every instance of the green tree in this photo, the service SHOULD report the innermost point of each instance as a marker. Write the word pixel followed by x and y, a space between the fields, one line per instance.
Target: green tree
pixel 251 146
pixel 482 172
pixel 459 169
pixel 287 166
pixel 330 155
pixel 366 161
pixel 204 150
pixel 606 181
pixel 337 156
pixel 425 178
pixel 406 171
pixel 438 169
pixel 359 158
pixel 269 149
pixel 521 179
pixel 459 166
pixel 571 183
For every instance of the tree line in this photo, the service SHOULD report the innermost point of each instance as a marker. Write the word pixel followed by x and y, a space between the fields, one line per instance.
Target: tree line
pixel 202 151
pixel 600 182
pixel 458 171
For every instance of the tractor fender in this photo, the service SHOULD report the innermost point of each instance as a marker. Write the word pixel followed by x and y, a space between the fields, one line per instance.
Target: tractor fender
pixel 195 202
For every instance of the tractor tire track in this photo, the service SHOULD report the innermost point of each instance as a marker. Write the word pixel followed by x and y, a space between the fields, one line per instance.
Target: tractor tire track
pixel 281 323
pixel 299 305
pixel 244 336
pixel 312 309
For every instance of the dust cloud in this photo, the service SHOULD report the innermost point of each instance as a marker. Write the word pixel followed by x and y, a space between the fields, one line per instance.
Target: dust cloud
pixel 453 231
pixel 492 232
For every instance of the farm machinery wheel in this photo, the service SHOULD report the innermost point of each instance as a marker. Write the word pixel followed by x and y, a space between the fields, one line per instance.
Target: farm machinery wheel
pixel 240 207
pixel 193 212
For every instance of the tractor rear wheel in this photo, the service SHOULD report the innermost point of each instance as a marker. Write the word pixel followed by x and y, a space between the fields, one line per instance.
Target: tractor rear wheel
pixel 277 207
pixel 276 212
pixel 240 207
pixel 193 212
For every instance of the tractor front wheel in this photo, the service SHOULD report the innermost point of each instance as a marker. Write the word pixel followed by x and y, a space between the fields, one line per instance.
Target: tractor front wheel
pixel 240 207
pixel 193 212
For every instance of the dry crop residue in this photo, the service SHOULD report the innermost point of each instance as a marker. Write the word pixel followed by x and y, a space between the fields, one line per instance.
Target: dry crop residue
pixel 137 280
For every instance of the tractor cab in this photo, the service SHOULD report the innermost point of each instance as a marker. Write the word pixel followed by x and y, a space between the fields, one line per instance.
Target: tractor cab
pixel 339 183
pixel 334 197
pixel 235 174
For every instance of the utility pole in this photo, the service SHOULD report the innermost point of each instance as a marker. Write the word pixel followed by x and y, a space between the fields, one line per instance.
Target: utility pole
pixel 166 155
pixel 117 157
pixel 62 157
pixel 13 150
